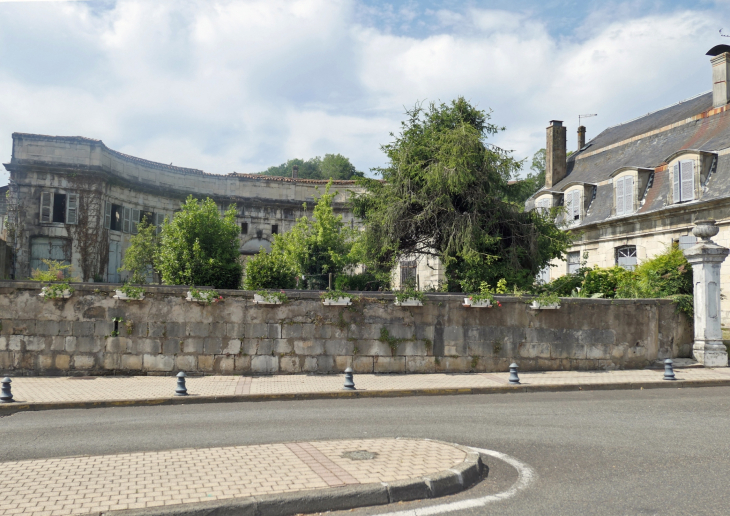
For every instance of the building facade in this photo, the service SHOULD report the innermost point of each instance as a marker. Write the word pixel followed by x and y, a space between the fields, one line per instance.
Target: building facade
pixel 75 200
pixel 638 187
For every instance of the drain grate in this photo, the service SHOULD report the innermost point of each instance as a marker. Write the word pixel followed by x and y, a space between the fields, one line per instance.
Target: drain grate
pixel 359 455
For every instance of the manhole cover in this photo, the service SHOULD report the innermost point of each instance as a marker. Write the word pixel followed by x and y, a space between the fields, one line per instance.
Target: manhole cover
pixel 359 455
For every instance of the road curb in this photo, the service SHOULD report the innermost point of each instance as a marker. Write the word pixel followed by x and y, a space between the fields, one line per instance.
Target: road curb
pixel 400 393
pixel 442 483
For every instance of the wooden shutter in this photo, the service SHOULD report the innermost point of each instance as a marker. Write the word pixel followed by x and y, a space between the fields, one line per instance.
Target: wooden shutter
pixel 628 195
pixel 576 205
pixel 160 222
pixel 46 207
pixel 107 215
pixel 688 180
pixel 676 190
pixel 72 209
pixel 125 220
pixel 569 206
pixel 135 221
pixel 620 196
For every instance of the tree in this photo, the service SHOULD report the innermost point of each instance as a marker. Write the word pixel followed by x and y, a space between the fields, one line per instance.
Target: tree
pixel 523 189
pixel 445 194
pixel 200 247
pixel 337 166
pixel 332 166
pixel 313 248
pixel 140 257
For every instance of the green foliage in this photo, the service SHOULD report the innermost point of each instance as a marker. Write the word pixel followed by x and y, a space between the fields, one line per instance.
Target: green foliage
pixel 602 281
pixel 272 296
pixel 56 290
pixel 313 248
pixel 332 166
pixel 445 193
pixel 564 285
pixel 199 247
pixel 665 275
pixel 56 271
pixel 545 299
pixel 365 281
pixel 407 292
pixel 140 256
pixel 522 189
pixel 131 291
pixel 205 296
pixel 335 295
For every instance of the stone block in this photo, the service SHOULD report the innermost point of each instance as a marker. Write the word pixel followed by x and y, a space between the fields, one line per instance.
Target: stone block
pixel 411 348
pixel 83 328
pixel 6 360
pixel 454 364
pixel 154 329
pixel 175 329
pixel 362 364
pixel 205 363
pixel 223 365
pixel 322 331
pixel 423 332
pixel 83 362
pixel 47 327
pixel 105 328
pixel 291 331
pixel 3 343
pixel 185 363
pixel 70 344
pixel 16 342
pixel 374 348
pixel 212 345
pixel 571 350
pixel 598 352
pixel 45 362
pixel 62 362
pixel 242 364
pixel 158 362
pixel 37 343
pixel 283 347
pixel 340 347
pixel 416 364
pixel 342 363
pixel 112 361
pixel 65 327
pixel 171 346
pixel 389 364
pixel 146 346
pixel 190 345
pixel 534 350
pixel 25 327
pixel 6 326
pixel 257 331
pixel 264 364
pixel 274 331
pixel 325 363
pixel 197 329
pixel 454 334
pixel 309 347
pixel 231 347
pixel 310 364
pixel 235 330
pixel 131 363
pixel 290 364
pixel 115 345
pixel 264 347
pixel 597 337
pixel 217 330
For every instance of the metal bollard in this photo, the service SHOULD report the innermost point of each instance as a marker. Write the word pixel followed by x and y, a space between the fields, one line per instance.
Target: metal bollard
pixel 513 378
pixel 6 396
pixel 349 383
pixel 668 370
pixel 181 390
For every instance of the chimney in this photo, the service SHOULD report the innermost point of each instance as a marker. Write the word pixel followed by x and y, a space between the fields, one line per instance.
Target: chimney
pixel 720 75
pixel 581 137
pixel 295 171
pixel 555 153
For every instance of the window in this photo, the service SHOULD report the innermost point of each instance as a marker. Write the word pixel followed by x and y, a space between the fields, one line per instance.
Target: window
pixel 543 205
pixel 573 262
pixel 274 229
pixel 624 195
pixel 259 233
pixel 685 242
pixel 684 181
pixel 135 221
pixel 543 276
pixel 59 208
pixel 408 273
pixel 244 228
pixel 626 257
pixel 572 205
pixel 116 213
pixel 45 248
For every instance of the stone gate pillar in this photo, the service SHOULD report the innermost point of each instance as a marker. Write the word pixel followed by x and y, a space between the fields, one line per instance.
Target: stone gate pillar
pixel 706 258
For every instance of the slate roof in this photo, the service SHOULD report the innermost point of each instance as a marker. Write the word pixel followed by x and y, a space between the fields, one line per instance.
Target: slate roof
pixel 595 163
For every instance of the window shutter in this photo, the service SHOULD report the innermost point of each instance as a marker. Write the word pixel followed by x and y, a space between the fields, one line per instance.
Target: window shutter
pixel 569 206
pixel 628 195
pixel 576 205
pixel 107 215
pixel 160 221
pixel 46 207
pixel 72 209
pixel 135 221
pixel 676 193
pixel 620 196
pixel 688 180
pixel 125 220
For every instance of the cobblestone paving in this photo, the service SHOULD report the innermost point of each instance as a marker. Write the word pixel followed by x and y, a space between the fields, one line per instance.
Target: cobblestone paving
pixel 82 485
pixel 60 389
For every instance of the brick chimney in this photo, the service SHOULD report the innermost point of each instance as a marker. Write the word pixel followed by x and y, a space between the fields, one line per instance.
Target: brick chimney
pixel 720 75
pixel 581 137
pixel 295 171
pixel 555 153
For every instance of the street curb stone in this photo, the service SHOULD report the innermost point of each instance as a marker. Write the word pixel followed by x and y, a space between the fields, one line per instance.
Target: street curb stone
pixel 443 483
pixel 400 393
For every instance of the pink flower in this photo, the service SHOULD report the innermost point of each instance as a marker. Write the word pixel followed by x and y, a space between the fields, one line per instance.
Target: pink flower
pixel 499 304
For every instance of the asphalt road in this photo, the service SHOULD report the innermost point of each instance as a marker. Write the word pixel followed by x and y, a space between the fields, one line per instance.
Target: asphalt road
pixel 664 451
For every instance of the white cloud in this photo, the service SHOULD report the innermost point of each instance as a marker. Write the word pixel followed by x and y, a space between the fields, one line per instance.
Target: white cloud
pixel 229 85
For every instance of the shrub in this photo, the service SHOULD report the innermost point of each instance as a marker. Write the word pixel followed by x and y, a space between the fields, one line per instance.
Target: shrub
pixel 365 281
pixel 269 271
pixel 602 281
pixel 665 275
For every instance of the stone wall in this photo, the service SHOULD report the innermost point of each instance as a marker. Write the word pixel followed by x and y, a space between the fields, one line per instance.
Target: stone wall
pixel 164 334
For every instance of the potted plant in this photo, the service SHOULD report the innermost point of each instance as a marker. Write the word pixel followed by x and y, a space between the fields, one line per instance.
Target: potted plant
pixel 335 298
pixel 130 293
pixel 545 301
pixel 485 297
pixel 203 296
pixel 409 296
pixel 57 291
pixel 269 297
pixel 57 287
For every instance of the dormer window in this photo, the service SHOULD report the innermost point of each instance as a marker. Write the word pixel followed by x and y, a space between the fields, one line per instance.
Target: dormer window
pixel 572 206
pixel 684 181
pixel 624 187
pixel 543 205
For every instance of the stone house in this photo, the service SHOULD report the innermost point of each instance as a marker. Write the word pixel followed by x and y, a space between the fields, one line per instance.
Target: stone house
pixel 75 200
pixel 639 186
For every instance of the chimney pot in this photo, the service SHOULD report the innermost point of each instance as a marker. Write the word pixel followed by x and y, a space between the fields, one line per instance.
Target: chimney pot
pixel 720 80
pixel 581 137
pixel 555 151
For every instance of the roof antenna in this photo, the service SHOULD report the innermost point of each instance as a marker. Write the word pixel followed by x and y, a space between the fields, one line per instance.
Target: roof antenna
pixel 585 116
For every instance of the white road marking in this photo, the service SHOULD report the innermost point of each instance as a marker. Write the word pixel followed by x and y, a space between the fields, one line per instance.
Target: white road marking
pixel 526 476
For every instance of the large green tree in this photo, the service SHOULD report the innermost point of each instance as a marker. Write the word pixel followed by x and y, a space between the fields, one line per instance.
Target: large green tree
pixel 140 257
pixel 332 166
pixel 445 192
pixel 200 247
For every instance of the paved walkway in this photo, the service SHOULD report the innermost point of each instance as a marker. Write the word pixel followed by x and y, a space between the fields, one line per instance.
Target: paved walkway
pixel 90 389
pixel 93 484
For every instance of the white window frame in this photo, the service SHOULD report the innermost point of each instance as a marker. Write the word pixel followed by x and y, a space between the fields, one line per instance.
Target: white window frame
pixel 107 215
pixel 573 207
pixel 577 264
pixel 543 205
pixel 126 215
pixel 72 208
pixel 47 204
pixel 624 188
pixel 135 220
pixel 683 181
pixel 627 252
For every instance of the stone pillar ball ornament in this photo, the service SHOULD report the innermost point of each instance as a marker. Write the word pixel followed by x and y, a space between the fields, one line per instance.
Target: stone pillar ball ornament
pixel 706 258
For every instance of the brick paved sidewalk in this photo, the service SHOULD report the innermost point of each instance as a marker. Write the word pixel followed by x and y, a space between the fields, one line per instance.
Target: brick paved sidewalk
pixel 90 389
pixel 82 485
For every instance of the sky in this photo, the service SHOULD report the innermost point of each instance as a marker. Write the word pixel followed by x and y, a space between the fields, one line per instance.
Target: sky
pixel 239 86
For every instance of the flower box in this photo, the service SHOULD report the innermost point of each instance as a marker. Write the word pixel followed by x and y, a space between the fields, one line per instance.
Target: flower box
pixel 258 299
pixel 482 303
pixel 66 293
pixel 205 297
pixel 124 297
pixel 340 301
pixel 411 301
pixel 548 306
